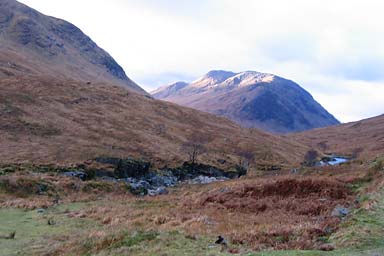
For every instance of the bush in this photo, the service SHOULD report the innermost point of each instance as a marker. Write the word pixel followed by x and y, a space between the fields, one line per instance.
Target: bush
pixel 7 169
pixel 310 157
pixel 25 187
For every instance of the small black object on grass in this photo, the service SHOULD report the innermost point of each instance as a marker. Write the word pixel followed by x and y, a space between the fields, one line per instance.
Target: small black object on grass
pixel 221 240
pixel 51 222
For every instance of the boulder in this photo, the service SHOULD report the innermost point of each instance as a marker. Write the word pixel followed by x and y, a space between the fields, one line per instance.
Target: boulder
pixel 78 174
pixel 139 187
pixel 203 180
pixel 340 211
pixel 162 180
pixel 157 191
pixel 206 180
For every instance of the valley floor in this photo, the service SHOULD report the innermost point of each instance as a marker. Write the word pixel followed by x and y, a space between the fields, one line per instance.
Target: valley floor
pixel 287 215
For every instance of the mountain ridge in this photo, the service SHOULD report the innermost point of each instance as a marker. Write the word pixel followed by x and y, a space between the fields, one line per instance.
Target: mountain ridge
pixel 53 46
pixel 252 99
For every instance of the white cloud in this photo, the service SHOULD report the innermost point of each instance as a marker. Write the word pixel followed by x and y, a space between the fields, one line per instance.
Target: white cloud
pixel 334 49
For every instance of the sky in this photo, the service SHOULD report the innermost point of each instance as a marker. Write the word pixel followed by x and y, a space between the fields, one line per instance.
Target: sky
pixel 333 49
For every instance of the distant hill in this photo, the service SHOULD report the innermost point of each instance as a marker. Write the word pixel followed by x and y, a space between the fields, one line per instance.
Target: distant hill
pixel 252 99
pixel 364 138
pixel 34 44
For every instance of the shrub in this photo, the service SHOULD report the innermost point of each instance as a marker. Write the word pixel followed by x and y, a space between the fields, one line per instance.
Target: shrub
pixel 25 187
pixel 310 157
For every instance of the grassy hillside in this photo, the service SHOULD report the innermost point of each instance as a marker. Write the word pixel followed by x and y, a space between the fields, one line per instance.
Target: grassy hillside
pixel 363 138
pixel 46 120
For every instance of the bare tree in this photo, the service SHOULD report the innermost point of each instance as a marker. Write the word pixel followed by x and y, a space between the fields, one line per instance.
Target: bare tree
pixel 310 157
pixel 194 146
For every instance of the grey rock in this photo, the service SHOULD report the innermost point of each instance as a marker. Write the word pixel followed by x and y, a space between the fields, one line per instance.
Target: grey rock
pixel 41 210
pixel 139 187
pixel 157 191
pixel 206 180
pixel 131 168
pixel 78 174
pixel 340 211
pixel 141 184
pixel 160 180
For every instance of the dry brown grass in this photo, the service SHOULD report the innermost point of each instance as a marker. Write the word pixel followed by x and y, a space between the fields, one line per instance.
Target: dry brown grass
pixel 283 213
pixel 29 190
pixel 261 213
pixel 270 212
pixel 46 120
pixel 363 139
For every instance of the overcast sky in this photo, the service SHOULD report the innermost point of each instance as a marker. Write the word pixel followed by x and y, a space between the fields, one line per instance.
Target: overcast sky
pixel 334 49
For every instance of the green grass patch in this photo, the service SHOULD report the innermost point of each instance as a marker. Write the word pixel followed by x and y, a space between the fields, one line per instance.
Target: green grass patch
pixel 33 234
pixel 164 243
pixel 365 228
pixel 136 238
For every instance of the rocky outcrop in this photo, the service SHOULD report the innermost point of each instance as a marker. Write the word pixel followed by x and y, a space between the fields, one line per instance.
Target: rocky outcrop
pixel 144 181
pixel 131 168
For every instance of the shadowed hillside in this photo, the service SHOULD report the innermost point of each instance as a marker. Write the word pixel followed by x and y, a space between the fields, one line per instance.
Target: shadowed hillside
pixel 251 99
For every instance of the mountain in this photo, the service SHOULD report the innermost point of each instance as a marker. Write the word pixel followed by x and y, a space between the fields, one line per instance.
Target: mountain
pixel 170 89
pixel 364 138
pixel 34 44
pixel 51 114
pixel 252 99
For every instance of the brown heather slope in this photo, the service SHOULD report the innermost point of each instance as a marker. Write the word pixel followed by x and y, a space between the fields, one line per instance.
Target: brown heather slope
pixel 45 120
pixel 363 138
pixel 33 43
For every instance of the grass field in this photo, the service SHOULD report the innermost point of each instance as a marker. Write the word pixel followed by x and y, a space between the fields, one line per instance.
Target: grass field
pixel 188 219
